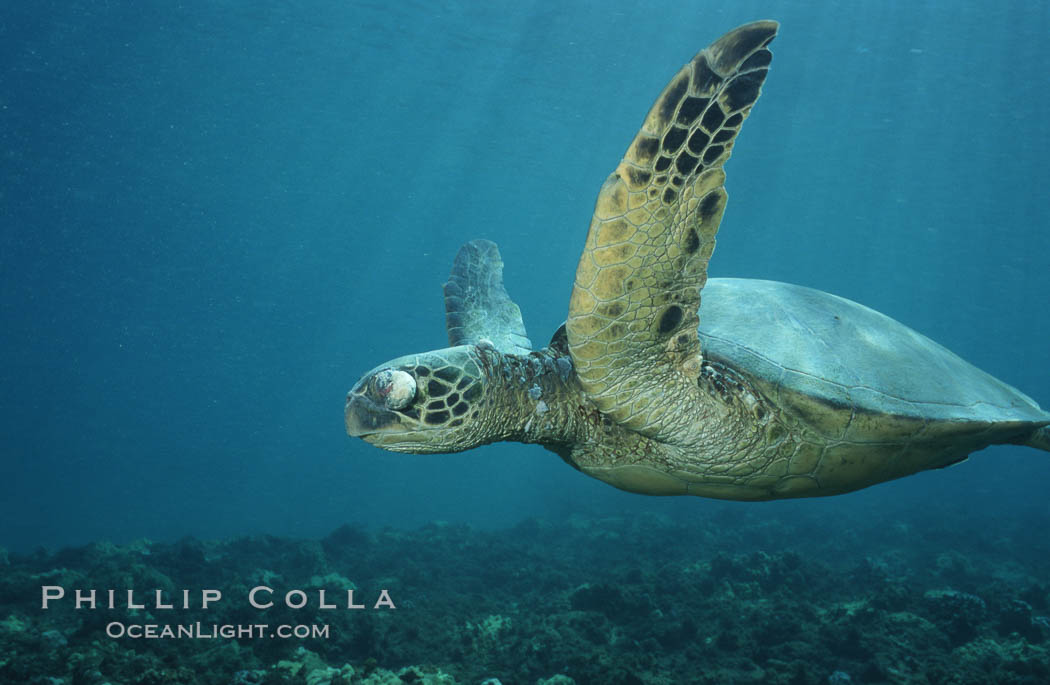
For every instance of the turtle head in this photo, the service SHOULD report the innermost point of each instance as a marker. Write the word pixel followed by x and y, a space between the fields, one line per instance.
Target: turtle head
pixel 421 403
pixel 442 401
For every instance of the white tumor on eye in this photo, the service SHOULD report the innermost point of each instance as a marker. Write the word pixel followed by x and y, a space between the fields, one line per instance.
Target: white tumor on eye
pixel 397 389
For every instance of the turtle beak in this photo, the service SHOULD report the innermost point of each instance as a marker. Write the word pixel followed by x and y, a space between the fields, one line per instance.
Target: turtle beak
pixel 381 427
pixel 364 417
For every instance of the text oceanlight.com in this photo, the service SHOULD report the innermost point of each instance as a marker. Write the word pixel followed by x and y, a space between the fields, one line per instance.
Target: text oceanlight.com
pixel 204 631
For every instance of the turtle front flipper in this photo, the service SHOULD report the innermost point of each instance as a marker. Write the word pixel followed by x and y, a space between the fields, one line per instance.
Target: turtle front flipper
pixel 477 306
pixel 632 325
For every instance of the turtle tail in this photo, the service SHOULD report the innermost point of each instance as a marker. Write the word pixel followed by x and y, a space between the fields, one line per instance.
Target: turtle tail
pixel 1039 439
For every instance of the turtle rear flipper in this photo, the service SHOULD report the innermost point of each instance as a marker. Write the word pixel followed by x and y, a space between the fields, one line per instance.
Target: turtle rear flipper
pixel 632 325
pixel 477 306
pixel 1039 439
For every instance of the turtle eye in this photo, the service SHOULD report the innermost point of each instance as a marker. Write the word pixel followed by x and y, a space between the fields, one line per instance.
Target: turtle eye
pixel 396 389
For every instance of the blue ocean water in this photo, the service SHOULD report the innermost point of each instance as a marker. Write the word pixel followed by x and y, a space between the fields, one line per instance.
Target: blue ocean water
pixel 216 216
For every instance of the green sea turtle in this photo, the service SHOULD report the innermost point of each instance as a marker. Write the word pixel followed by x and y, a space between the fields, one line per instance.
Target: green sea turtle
pixel 768 390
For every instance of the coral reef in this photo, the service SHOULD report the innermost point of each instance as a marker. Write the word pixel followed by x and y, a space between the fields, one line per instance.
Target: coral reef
pixel 732 599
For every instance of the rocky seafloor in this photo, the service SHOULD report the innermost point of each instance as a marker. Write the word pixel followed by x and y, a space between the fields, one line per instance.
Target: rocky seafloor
pixel 730 598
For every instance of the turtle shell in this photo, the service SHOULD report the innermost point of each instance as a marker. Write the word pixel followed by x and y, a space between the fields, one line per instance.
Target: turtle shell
pixel 851 372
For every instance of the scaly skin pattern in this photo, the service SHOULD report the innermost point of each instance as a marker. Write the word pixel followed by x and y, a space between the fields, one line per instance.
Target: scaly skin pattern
pixel 744 447
pixel 535 399
pixel 748 448
pixel 737 450
pixel 756 448
pixel 632 325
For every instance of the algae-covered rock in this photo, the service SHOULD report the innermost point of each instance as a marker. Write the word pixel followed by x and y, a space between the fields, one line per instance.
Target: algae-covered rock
pixel 249 677
pixel 957 613
pixel 416 675
pixel 330 675
pixel 331 580
pixel 1003 661
pixel 492 626
pixel 12 624
pixel 556 679
pixel 54 639
pixel 1016 616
